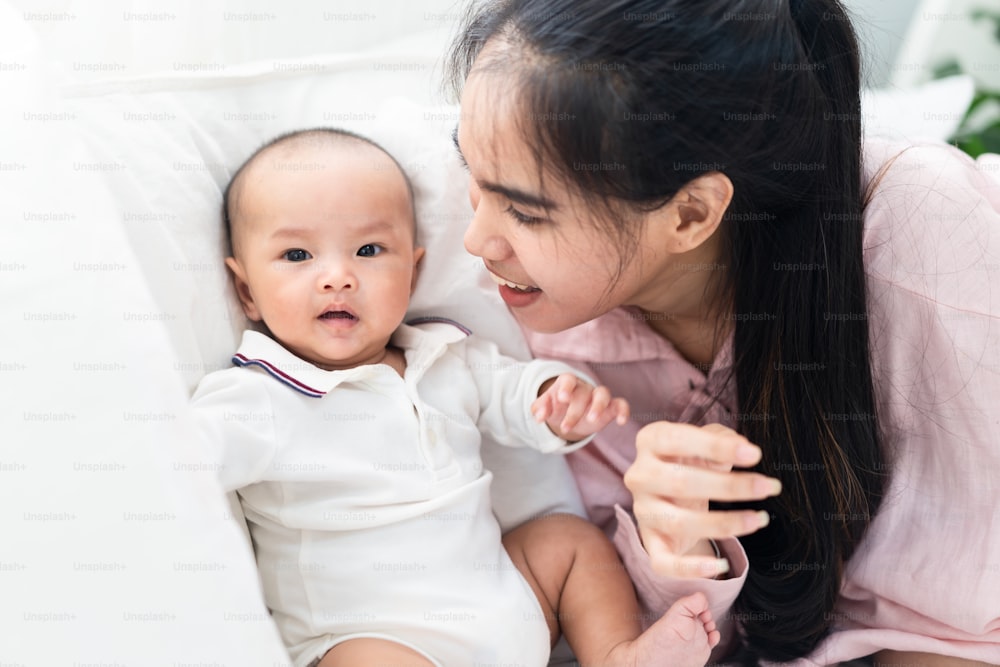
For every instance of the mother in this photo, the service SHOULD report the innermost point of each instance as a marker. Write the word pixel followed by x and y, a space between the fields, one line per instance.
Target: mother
pixel 678 188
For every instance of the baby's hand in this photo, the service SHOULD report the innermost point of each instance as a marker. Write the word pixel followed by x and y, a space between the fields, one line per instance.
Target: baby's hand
pixel 573 409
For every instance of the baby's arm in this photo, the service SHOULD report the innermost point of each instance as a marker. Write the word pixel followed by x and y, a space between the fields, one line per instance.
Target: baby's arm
pixel 574 409
pixel 235 417
pixel 510 393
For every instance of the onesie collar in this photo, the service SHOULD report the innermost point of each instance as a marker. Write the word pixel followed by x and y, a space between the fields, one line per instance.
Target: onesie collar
pixel 426 338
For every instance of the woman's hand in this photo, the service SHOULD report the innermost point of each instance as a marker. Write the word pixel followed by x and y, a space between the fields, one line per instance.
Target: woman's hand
pixel 677 470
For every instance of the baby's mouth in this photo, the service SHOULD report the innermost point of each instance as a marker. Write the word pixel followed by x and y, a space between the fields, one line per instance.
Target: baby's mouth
pixel 511 284
pixel 338 315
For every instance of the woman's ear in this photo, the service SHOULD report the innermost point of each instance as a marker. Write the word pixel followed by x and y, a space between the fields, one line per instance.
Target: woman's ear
pixel 696 211
pixel 243 289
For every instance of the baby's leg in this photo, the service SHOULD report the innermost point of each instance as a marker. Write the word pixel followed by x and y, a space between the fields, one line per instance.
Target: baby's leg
pixel 583 590
pixel 372 652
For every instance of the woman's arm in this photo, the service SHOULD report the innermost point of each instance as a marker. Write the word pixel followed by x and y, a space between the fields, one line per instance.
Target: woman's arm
pixel 924 581
pixel 897 658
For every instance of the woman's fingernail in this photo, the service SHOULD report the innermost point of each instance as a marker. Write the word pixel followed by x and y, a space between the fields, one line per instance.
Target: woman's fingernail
pixel 757 520
pixel 747 453
pixel 767 487
pixel 715 567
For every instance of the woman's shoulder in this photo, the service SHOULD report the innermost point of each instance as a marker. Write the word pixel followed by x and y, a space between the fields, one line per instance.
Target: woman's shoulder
pixel 932 222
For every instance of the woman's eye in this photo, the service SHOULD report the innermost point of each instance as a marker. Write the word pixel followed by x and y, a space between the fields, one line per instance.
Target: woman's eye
pixel 369 250
pixel 297 255
pixel 522 218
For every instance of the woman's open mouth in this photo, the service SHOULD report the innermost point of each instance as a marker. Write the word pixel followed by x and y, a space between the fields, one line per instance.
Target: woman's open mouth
pixel 516 295
pixel 511 284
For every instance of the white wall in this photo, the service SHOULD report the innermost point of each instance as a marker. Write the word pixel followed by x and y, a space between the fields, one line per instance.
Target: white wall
pixel 941 30
pixel 882 25
pixel 129 38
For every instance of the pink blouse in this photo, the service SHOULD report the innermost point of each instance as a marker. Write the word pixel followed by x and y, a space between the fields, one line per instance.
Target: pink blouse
pixel 927 575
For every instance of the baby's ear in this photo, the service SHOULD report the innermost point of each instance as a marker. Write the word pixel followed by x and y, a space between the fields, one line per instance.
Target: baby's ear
pixel 243 289
pixel 418 256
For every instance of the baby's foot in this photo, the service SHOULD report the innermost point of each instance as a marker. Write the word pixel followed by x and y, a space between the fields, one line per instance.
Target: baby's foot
pixel 682 637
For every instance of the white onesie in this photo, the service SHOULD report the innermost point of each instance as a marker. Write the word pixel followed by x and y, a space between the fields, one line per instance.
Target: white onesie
pixel 366 497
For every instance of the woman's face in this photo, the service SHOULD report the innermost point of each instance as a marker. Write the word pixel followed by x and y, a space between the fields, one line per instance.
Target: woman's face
pixel 554 266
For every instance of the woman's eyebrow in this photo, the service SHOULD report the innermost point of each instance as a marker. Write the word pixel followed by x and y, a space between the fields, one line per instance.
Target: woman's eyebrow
pixel 520 196
pixel 513 194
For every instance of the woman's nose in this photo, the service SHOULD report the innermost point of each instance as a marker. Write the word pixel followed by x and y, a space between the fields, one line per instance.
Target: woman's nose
pixel 484 235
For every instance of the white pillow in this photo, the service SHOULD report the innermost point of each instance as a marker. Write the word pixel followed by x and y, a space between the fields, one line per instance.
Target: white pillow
pixel 171 150
pixel 120 544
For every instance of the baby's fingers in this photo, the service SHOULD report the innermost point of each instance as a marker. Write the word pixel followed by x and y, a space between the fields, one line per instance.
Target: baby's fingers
pixel 621 411
pixel 604 409
pixel 541 408
pixel 576 408
pixel 600 399
pixel 564 387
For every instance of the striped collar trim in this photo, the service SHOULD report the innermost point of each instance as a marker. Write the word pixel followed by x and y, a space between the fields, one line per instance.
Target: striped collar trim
pixel 242 360
pixel 431 319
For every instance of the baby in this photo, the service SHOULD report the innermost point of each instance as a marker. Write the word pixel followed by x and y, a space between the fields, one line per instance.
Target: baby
pixel 353 442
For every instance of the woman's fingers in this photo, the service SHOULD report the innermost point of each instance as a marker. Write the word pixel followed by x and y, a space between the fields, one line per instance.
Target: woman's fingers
pixel 713 442
pixel 678 469
pixel 687 567
pixel 669 479
pixel 670 523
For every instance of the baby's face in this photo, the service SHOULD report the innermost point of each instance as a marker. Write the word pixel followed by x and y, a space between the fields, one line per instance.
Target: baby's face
pixel 325 251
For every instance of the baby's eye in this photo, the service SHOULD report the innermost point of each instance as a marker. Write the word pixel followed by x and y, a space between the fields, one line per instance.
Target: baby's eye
pixel 297 255
pixel 369 250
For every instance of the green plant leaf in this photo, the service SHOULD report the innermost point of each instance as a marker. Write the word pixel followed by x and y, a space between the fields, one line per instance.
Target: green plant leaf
pixel 978 140
pixel 986 140
pixel 980 14
pixel 946 68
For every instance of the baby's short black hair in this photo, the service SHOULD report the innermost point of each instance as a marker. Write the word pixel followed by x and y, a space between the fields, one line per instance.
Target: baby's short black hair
pixel 231 195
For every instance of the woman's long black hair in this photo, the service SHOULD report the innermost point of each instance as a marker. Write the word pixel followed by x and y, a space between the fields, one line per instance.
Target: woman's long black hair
pixel 766 92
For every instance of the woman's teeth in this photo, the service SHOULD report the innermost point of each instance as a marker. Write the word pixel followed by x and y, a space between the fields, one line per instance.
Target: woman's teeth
pixel 503 281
